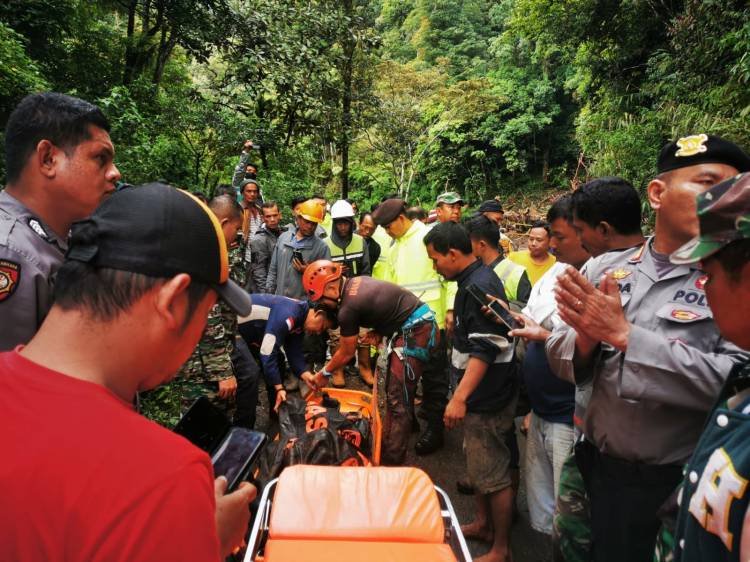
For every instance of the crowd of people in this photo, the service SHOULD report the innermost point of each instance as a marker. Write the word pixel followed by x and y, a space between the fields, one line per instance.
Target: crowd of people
pixel 621 357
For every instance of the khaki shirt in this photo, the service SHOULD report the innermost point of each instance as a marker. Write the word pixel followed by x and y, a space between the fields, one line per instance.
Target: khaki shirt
pixel 30 255
pixel 649 403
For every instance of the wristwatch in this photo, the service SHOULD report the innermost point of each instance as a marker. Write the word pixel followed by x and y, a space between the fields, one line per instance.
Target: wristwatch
pixel 326 374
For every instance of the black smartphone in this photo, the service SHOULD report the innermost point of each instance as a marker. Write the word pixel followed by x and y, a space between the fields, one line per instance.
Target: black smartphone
pixel 296 254
pixel 233 450
pixel 495 307
pixel 237 454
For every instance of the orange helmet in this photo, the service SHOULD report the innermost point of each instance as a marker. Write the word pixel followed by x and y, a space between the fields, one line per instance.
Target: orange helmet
pixel 317 275
pixel 312 210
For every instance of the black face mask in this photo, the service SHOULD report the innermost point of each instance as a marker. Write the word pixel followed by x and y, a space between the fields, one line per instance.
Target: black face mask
pixel 250 175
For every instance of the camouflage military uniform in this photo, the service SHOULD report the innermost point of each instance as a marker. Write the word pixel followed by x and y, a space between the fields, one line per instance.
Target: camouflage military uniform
pixel 211 360
pixel 209 363
pixel 571 528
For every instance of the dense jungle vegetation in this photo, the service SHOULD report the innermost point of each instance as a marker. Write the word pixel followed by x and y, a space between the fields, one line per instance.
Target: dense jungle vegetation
pixel 368 97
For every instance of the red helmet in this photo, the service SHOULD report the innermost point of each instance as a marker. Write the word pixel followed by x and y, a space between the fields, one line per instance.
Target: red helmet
pixel 317 275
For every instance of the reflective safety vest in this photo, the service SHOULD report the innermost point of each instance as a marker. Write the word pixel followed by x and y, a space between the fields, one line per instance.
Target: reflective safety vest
pixel 380 268
pixel 351 256
pixel 410 267
pixel 510 274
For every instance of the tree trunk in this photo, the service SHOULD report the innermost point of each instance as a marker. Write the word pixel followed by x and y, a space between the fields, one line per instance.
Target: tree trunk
pixel 166 46
pixel 130 50
pixel 346 102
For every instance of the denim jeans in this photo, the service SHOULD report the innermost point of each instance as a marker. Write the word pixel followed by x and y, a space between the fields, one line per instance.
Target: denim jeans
pixel 547 446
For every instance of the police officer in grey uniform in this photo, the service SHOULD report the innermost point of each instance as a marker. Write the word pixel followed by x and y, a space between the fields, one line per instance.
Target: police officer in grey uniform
pixel 640 328
pixel 59 168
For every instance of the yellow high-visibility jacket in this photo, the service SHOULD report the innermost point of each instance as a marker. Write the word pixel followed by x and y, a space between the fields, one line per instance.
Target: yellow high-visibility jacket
pixel 409 266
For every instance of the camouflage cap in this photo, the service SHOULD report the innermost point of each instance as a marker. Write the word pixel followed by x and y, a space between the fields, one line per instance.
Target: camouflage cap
pixel 724 216
pixel 449 197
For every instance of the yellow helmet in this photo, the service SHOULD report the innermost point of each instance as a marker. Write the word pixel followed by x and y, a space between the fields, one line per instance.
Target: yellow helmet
pixel 312 210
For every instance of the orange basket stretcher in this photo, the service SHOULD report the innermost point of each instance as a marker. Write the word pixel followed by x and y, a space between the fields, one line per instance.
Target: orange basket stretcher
pixel 358 514
pixel 364 403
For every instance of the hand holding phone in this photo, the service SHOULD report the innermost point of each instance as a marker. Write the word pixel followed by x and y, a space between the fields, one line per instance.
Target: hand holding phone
pixel 495 306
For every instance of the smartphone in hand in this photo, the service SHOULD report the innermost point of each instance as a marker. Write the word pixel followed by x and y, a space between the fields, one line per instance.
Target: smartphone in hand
pixel 495 307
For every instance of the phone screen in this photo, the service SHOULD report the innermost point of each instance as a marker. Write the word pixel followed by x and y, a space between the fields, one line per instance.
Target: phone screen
pixel 498 309
pixel 237 453
pixel 204 425
pixel 506 316
pixel 233 450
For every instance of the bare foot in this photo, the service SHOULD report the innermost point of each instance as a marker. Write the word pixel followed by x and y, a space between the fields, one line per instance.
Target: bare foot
pixel 477 531
pixel 495 556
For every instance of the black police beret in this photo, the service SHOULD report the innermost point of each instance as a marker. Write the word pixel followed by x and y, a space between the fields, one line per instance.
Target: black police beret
pixel 490 206
pixel 701 149
pixel 388 211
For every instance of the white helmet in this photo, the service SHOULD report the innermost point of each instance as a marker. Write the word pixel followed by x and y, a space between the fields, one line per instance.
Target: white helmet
pixel 342 209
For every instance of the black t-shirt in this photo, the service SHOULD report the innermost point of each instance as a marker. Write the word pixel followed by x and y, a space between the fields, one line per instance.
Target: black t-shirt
pixel 373 248
pixel 378 305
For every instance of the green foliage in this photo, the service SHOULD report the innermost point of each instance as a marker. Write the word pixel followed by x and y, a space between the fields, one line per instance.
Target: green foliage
pixel 162 404
pixel 20 75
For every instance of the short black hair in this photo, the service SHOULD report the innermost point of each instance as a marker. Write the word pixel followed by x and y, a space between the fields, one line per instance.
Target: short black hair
pixel 540 224
pixel 224 189
pixel 733 258
pixel 298 200
pixel 364 214
pixel 562 208
pixel 269 204
pixel 251 164
pixel 226 205
pixel 449 236
pixel 609 199
pixel 104 292
pixel 416 213
pixel 482 228
pixel 63 120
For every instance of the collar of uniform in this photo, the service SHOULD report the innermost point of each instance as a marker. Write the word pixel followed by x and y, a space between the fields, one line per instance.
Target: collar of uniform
pixel 466 273
pixel 24 213
pixel 638 256
pixel 648 267
pixel 496 261
pixel 416 226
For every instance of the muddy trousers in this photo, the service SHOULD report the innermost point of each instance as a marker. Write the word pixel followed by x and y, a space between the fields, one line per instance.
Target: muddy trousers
pixel 402 375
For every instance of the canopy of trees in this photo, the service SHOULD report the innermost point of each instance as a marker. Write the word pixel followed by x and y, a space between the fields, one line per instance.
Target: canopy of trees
pixel 368 97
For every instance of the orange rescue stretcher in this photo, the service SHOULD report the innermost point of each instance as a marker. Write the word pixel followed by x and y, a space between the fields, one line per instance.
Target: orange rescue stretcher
pixel 363 403
pixel 358 514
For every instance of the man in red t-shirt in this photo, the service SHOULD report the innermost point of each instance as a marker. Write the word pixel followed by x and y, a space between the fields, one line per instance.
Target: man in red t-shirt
pixel 83 475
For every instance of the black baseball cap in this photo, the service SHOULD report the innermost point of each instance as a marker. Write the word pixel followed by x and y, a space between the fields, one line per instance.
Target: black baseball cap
pixel 159 231
pixel 701 149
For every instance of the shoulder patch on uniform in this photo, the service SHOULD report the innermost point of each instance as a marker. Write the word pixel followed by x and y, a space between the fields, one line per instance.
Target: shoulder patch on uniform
pixel 692 145
pixel 700 283
pixel 37 227
pixel 290 323
pixel 10 276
